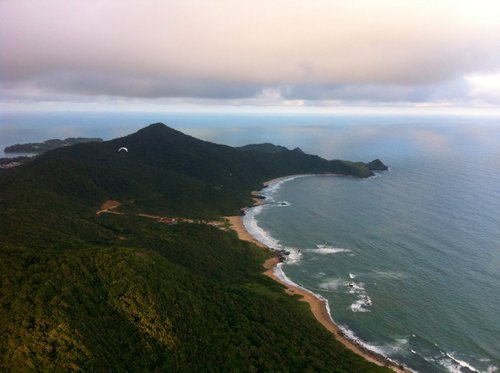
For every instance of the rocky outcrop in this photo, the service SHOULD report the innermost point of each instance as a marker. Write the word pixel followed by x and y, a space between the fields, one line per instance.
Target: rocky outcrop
pixel 377 165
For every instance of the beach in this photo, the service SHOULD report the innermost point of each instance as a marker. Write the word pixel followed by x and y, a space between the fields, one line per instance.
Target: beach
pixel 318 306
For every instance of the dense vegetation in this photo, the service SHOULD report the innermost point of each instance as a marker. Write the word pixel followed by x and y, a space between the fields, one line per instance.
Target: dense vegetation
pixel 123 292
pixel 266 148
pixel 42 147
pixel 20 159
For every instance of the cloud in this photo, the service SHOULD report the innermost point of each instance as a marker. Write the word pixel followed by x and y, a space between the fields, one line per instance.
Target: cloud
pixel 97 83
pixel 381 51
pixel 484 87
pixel 446 91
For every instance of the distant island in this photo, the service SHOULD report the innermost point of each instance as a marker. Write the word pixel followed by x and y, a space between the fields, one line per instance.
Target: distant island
pixel 42 147
pixel 124 261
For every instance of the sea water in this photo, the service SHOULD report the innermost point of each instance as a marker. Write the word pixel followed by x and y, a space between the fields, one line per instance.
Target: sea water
pixel 409 260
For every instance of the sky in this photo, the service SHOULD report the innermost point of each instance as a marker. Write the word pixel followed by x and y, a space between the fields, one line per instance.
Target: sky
pixel 282 55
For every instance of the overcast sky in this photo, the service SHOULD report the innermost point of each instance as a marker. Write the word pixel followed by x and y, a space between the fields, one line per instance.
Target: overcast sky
pixel 311 54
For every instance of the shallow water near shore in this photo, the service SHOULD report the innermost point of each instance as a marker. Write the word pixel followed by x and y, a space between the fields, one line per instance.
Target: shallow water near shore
pixel 409 260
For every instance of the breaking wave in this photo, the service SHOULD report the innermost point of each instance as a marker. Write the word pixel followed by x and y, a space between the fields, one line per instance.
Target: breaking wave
pixel 331 284
pixel 361 304
pixel 327 249
pixel 251 225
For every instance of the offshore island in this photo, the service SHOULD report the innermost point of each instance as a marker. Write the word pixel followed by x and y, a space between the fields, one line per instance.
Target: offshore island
pixel 122 260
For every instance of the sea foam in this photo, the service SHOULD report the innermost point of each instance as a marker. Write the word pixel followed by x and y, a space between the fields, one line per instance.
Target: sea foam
pixel 361 304
pixel 455 365
pixel 327 249
pixel 275 185
pixel 261 235
pixel 280 274
pixel 381 351
pixel 331 284
pixel 250 223
pixel 351 336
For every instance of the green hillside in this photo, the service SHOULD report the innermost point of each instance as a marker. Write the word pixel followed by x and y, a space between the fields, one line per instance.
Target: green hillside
pixel 113 292
pixel 164 171
pixel 266 148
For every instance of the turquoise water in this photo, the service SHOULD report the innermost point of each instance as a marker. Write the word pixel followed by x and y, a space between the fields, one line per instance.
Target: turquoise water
pixel 409 260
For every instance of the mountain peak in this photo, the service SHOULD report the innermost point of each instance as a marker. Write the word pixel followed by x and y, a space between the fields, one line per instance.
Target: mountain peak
pixel 155 127
pixel 155 130
pixel 377 165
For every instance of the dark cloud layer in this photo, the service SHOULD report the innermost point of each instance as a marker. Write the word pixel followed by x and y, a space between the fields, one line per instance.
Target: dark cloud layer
pixel 319 50
pixel 142 87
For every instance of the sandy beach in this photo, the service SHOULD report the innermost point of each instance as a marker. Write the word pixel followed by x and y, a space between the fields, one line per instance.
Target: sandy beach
pixel 278 179
pixel 318 307
pixel 237 225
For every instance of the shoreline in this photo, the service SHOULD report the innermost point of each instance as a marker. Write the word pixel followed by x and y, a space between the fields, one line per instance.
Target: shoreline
pixel 318 306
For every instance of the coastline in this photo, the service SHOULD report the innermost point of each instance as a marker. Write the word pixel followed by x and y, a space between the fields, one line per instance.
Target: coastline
pixel 318 306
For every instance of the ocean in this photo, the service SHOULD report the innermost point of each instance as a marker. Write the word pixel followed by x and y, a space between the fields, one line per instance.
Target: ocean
pixel 409 260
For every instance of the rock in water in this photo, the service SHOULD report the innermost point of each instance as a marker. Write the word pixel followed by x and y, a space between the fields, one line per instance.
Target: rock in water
pixel 377 165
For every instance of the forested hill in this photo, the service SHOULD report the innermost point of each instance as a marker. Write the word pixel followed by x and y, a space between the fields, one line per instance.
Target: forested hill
pixel 266 147
pixel 123 291
pixel 165 170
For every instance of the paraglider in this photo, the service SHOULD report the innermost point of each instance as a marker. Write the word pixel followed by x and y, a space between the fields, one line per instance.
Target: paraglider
pixel 123 148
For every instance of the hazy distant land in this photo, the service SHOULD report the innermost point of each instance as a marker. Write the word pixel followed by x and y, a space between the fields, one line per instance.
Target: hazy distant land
pixel 42 147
